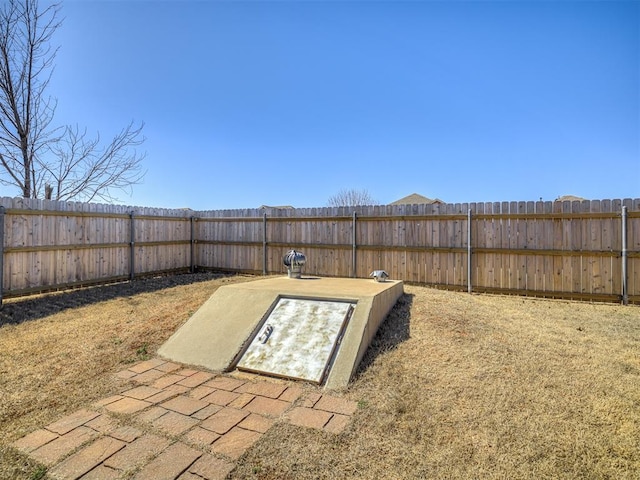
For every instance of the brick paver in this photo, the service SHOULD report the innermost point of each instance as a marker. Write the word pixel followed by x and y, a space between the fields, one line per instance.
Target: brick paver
pixel 291 394
pixel 337 424
pixel 168 367
pixel 264 389
pixel 161 397
pixel 195 379
pixel 125 374
pixel 267 406
pixel 310 399
pixel 35 440
pixel 146 365
pixel 102 423
pixel 257 423
pixel 170 463
pixel 225 383
pixel 141 392
pixel 68 423
pixel 211 468
pixel 200 436
pixel 137 452
pixel 148 377
pixel 126 433
pixel 221 422
pixel 177 389
pixel 174 423
pixel 184 405
pixel 86 459
pixel 106 401
pixel 53 451
pixel 221 397
pixel 187 412
pixel 189 476
pixel 336 405
pixel 151 414
pixel 127 405
pixel 102 473
pixel 308 417
pixel 235 443
pixel 206 412
pixel 242 400
pixel 167 380
pixel 201 391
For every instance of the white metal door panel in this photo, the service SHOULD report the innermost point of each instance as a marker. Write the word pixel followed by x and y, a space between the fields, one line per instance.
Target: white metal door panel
pixel 298 339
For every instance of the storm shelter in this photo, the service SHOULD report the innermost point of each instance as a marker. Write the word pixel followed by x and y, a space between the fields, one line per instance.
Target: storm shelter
pixel 312 329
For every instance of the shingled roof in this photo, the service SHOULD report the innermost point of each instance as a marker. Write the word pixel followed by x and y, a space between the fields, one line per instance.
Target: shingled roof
pixel 278 207
pixel 416 199
pixel 570 198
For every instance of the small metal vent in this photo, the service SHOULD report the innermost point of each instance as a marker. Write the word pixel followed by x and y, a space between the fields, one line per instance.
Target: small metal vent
pixel 294 261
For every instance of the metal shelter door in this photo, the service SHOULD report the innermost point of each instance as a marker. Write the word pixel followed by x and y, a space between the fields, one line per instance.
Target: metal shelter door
pixel 298 339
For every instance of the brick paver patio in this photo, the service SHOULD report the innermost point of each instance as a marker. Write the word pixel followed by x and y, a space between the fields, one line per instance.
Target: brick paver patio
pixel 173 422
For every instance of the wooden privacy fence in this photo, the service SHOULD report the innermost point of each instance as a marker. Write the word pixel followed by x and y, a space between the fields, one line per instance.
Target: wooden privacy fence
pixel 582 249
pixel 54 245
pixel 556 249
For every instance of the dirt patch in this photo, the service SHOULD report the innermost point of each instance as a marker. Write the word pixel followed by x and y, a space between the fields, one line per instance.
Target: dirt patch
pixel 454 385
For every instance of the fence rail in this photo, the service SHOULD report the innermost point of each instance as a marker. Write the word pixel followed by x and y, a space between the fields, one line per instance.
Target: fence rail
pixel 583 250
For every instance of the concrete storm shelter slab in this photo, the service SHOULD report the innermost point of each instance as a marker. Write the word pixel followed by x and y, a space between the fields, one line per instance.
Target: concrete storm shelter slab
pixel 314 329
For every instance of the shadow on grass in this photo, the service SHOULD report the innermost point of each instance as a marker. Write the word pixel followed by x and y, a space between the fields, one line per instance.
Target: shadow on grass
pixel 394 330
pixel 32 308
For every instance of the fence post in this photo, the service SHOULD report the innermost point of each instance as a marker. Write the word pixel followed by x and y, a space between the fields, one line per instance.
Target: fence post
pixel 192 259
pixel 469 270
pixel 264 243
pixel 2 210
pixel 625 293
pixel 132 263
pixel 353 245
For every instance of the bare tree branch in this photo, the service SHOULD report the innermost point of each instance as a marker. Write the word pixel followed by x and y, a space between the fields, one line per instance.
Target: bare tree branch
pixel 85 170
pixel 34 154
pixel 351 198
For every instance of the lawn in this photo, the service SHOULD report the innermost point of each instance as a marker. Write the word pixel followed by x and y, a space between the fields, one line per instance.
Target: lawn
pixel 454 386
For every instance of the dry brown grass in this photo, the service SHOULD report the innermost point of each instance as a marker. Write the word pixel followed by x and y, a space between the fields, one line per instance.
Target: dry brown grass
pixel 61 354
pixel 455 385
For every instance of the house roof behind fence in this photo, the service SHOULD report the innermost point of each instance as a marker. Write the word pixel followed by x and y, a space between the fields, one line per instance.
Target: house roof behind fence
pixel 416 199
pixel 281 207
pixel 569 198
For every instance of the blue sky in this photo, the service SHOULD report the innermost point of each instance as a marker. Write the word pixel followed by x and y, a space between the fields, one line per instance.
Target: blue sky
pixel 288 102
